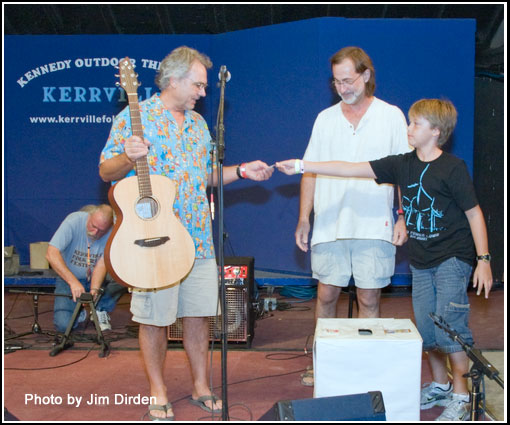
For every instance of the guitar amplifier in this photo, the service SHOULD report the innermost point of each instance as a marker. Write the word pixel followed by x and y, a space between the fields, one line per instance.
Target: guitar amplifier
pixel 239 287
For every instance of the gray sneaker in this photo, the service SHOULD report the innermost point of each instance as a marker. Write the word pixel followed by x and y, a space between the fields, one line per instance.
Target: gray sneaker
pixel 457 409
pixel 431 396
pixel 104 321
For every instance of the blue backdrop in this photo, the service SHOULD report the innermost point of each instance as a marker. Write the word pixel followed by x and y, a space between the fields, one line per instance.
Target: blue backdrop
pixel 60 97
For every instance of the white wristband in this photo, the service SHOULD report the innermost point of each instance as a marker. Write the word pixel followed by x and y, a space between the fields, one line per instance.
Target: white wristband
pixel 299 166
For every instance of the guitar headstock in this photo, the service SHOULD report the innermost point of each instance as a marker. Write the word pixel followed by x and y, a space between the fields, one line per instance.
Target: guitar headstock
pixel 128 76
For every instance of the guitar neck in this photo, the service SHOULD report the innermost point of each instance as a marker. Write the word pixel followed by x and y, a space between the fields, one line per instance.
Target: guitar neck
pixel 142 168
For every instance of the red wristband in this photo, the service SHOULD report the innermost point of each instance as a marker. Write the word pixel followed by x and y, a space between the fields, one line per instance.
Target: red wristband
pixel 242 170
pixel 400 212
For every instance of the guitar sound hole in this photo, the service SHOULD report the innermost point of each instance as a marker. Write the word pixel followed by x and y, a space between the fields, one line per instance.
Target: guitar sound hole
pixel 146 208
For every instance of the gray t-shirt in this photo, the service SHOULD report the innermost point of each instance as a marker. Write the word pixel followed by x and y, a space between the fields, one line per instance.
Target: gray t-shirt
pixel 72 242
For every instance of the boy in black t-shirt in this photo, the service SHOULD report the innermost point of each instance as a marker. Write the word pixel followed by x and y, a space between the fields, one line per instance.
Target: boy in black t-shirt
pixel 446 230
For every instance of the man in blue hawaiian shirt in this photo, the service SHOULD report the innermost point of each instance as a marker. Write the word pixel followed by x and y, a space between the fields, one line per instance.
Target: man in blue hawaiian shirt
pixel 177 143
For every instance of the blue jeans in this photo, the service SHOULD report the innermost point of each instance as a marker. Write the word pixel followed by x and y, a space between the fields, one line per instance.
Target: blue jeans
pixel 64 306
pixel 442 290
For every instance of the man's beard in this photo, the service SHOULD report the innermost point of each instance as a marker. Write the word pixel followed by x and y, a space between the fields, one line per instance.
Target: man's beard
pixel 91 236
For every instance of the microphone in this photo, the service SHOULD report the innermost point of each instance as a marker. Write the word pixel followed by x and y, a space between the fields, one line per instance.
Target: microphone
pixel 224 74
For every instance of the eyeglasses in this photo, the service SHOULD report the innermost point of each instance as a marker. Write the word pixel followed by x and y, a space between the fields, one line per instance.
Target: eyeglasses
pixel 347 83
pixel 198 85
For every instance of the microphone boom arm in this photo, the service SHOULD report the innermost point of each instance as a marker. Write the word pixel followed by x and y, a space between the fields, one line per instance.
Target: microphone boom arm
pixel 479 361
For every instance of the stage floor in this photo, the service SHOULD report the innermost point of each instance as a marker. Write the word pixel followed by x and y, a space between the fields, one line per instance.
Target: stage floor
pixel 258 377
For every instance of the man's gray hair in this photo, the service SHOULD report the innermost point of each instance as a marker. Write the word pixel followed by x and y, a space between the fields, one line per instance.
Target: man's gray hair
pixel 105 209
pixel 178 63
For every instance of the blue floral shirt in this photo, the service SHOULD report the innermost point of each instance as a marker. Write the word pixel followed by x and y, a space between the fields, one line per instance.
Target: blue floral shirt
pixel 180 153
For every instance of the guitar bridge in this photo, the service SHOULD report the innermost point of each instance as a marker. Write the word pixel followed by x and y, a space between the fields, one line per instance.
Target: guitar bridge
pixel 152 242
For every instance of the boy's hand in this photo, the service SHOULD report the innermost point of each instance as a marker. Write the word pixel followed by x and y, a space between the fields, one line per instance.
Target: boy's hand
pixel 288 167
pixel 400 232
pixel 482 278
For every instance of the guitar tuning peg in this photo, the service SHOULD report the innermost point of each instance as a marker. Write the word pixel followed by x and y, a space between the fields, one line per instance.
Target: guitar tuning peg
pixel 117 75
pixel 117 84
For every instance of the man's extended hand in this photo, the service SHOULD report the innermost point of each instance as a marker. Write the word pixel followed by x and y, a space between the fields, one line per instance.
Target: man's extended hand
pixel 258 171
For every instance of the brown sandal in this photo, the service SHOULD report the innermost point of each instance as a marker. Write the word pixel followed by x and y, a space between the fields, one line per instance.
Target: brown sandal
pixel 163 408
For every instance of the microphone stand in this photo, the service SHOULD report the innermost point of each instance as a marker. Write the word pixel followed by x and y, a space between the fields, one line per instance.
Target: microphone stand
pixel 220 146
pixel 36 327
pixel 481 366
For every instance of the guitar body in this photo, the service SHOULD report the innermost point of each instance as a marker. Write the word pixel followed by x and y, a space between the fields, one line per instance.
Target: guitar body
pixel 149 248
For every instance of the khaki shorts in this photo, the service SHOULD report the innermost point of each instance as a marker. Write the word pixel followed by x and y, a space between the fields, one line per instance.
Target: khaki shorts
pixel 370 262
pixel 195 296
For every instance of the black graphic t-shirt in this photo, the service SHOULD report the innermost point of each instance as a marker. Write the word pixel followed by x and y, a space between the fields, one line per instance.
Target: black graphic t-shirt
pixel 435 196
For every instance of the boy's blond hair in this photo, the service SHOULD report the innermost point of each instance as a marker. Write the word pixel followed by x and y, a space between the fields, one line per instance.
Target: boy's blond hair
pixel 441 114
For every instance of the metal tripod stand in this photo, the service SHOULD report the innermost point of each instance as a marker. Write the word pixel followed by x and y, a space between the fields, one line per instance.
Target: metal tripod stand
pixel 85 298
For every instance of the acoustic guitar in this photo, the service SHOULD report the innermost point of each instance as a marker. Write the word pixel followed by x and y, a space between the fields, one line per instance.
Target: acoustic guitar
pixel 148 248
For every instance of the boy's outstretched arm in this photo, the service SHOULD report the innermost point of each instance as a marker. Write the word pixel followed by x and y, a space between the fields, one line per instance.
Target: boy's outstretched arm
pixel 327 168
pixel 482 277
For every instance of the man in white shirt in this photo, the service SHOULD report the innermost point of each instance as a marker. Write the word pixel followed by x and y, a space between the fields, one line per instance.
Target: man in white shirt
pixel 354 232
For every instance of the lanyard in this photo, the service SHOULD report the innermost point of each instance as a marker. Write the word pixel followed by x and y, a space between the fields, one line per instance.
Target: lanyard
pixel 89 271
